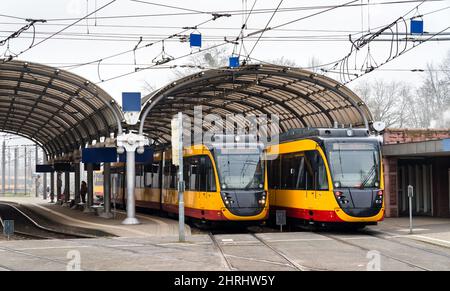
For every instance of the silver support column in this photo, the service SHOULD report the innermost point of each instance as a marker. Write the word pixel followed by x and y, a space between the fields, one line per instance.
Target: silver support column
pixel 180 179
pixel 131 184
pixel 52 187
pixel 3 168
pixel 35 163
pixel 130 143
pixel 16 169
pixel 77 183
pixel 90 189
pixel 107 191
pixel 66 188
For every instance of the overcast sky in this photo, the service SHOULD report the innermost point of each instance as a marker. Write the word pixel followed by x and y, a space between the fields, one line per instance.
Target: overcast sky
pixel 324 36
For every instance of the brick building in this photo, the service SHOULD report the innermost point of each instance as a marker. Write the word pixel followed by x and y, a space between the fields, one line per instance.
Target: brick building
pixel 421 158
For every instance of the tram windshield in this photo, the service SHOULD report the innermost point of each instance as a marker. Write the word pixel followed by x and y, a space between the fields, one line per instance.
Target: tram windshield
pixel 354 164
pixel 240 169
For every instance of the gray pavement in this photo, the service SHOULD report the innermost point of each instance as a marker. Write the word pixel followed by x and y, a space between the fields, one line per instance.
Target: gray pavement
pixel 302 250
pixel 154 246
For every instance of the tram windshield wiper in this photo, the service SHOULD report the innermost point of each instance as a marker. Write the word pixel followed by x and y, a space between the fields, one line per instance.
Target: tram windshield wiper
pixel 370 173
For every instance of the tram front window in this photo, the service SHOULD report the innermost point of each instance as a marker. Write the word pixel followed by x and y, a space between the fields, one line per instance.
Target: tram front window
pixel 354 164
pixel 239 170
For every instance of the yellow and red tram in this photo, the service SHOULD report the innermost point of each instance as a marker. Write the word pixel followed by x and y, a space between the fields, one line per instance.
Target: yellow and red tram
pixel 327 176
pixel 222 183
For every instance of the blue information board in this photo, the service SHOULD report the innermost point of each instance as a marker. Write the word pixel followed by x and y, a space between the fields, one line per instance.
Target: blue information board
pixel 131 101
pixel 44 169
pixel 99 155
pixel 145 158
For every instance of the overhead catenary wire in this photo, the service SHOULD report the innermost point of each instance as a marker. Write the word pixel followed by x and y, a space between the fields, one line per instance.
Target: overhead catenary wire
pixel 134 49
pixel 226 42
pixel 265 28
pixel 239 12
pixel 63 29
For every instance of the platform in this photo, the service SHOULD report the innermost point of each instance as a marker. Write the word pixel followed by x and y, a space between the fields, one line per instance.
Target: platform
pixel 150 225
pixel 154 246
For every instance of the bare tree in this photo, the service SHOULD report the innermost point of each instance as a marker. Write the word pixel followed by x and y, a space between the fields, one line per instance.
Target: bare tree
pixel 282 61
pixel 388 101
pixel 213 58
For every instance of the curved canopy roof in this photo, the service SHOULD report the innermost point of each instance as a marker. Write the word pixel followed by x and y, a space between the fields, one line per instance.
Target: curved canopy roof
pixel 300 98
pixel 56 109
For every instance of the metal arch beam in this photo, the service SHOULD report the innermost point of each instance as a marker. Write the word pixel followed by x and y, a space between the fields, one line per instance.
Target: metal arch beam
pixel 323 83
pixel 32 91
pixel 53 134
pixel 54 139
pixel 168 105
pixel 27 137
pixel 296 76
pixel 249 84
pixel 50 147
pixel 49 134
pixel 85 85
pixel 199 80
pixel 217 80
pixel 270 99
pixel 244 102
pixel 85 129
pixel 46 121
pixel 231 91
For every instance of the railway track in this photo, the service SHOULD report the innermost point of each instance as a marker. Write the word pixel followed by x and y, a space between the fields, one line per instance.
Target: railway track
pixel 343 241
pixel 226 257
pixel 27 228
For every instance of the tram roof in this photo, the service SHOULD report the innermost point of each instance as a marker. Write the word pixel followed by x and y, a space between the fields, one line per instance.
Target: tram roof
pixel 57 109
pixel 299 97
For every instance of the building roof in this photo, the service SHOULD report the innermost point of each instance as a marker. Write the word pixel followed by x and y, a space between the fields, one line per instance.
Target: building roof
pixel 57 109
pixel 299 97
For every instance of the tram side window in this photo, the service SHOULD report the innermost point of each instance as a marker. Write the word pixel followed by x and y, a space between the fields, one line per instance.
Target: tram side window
pixel 208 176
pixel 319 170
pixel 139 176
pixel 192 168
pixel 170 175
pixel 152 176
pixel 274 177
pixel 294 172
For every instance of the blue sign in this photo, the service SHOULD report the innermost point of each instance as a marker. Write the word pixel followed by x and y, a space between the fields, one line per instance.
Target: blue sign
pixel 145 158
pixel 416 26
pixel 99 155
pixel 63 167
pixel 131 101
pixel 44 169
pixel 195 39
pixel 234 62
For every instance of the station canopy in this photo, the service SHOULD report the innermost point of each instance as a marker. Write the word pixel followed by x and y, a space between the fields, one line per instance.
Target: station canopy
pixel 299 97
pixel 57 109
